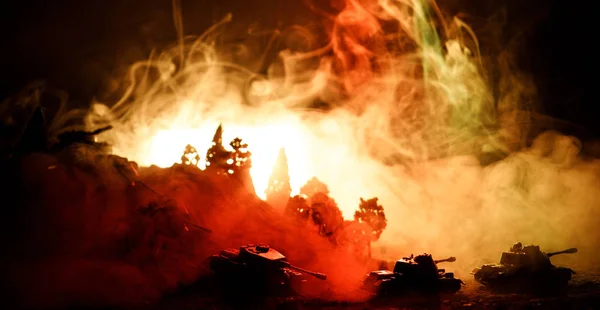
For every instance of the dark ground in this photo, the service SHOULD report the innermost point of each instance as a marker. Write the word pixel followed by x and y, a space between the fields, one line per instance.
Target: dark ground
pixel 583 293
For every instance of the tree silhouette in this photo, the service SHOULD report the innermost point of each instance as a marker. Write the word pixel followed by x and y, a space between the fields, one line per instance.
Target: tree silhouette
pixel 241 163
pixel 314 186
pixel 218 159
pixel 371 213
pixel 279 189
pixel 326 214
pixel 241 156
pixel 190 156
pixel 297 207
pixel 358 235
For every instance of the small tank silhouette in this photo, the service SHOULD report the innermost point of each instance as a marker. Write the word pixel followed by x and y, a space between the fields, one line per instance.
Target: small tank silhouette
pixel 413 274
pixel 68 138
pixel 525 268
pixel 258 268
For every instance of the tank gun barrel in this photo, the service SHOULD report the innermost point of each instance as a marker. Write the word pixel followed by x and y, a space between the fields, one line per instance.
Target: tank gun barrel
pixel 567 251
pixel 81 133
pixel 449 259
pixel 100 130
pixel 317 275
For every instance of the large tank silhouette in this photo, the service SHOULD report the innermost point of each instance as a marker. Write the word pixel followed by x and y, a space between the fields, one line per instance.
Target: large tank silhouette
pixel 415 273
pixel 524 268
pixel 258 268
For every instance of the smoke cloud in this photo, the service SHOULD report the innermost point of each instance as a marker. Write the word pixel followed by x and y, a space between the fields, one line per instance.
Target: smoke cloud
pixel 397 104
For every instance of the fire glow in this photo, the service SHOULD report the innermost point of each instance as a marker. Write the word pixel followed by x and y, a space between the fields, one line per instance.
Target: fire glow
pixel 410 102
pixel 398 112
pixel 264 144
pixel 313 148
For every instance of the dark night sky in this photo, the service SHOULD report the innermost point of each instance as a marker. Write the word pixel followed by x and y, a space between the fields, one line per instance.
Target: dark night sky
pixel 78 45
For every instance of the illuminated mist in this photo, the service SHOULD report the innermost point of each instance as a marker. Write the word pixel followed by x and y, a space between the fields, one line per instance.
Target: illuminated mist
pixel 410 112
pixel 419 99
pixel 406 113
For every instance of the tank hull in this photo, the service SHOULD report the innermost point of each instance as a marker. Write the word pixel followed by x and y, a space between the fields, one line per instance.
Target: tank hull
pixel 399 284
pixel 257 270
pixel 503 278
pixel 240 279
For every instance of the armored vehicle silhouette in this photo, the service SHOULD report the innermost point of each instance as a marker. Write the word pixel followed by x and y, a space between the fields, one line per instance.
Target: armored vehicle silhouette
pixel 258 268
pixel 415 273
pixel 524 268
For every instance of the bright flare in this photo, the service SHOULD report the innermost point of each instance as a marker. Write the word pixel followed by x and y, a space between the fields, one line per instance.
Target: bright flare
pixel 388 99
pixel 264 142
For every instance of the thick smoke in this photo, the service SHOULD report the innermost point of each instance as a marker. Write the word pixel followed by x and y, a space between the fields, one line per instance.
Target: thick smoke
pixel 85 231
pixel 540 195
pixel 406 114
pixel 412 112
pixel 395 91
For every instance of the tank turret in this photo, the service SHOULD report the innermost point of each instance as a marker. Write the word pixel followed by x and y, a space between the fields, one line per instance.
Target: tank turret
pixel 522 268
pixel 414 273
pixel 259 267
pixel 68 138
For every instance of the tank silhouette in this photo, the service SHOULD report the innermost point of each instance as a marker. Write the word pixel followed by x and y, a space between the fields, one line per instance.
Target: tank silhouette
pixel 68 138
pixel 525 268
pixel 258 268
pixel 413 274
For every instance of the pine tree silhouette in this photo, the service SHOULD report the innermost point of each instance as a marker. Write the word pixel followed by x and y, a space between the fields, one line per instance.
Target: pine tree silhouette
pixel 241 156
pixel 241 163
pixel 190 156
pixel 279 189
pixel 218 159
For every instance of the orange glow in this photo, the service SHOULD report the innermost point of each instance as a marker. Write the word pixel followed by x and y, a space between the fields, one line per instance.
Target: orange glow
pixel 384 101
pixel 263 141
pixel 317 145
